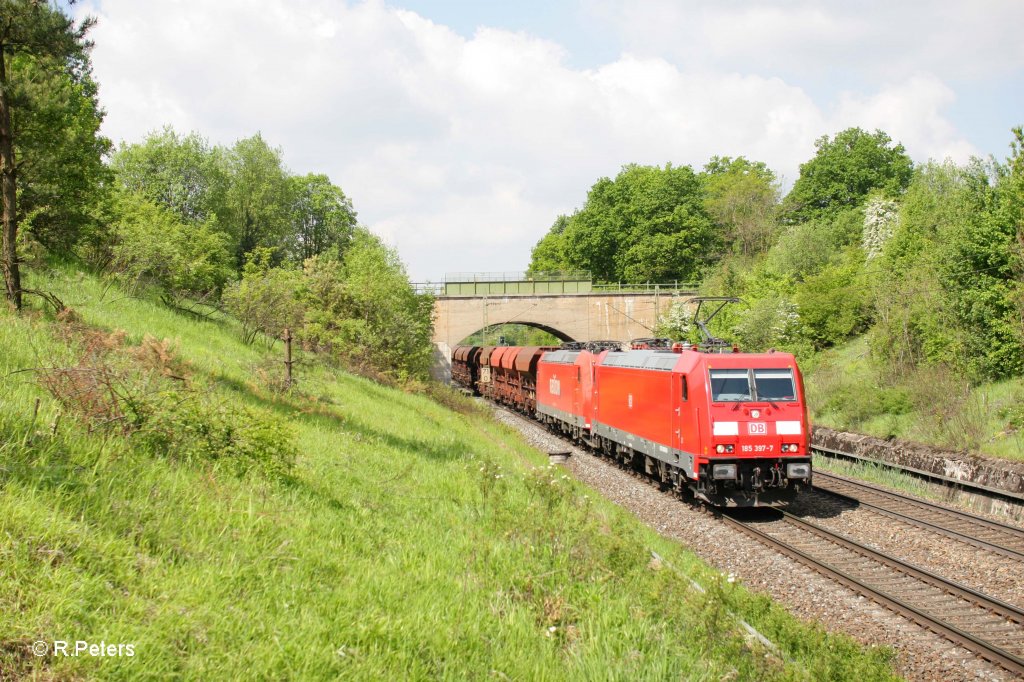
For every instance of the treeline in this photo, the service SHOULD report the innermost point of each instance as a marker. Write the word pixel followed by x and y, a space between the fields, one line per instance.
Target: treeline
pixel 663 224
pixel 925 260
pixel 189 222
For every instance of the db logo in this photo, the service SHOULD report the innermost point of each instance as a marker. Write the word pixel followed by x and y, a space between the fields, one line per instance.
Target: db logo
pixel 757 428
pixel 555 386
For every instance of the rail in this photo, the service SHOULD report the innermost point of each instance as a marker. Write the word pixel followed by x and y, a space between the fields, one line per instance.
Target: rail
pixel 953 483
pixel 980 532
pixel 857 567
pixel 543 286
pixel 988 627
pixel 522 276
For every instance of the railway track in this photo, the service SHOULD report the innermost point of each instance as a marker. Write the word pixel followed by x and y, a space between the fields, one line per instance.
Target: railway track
pixel 928 476
pixel 974 530
pixel 988 627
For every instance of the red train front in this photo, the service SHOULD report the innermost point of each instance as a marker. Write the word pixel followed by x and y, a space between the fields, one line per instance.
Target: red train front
pixel 730 427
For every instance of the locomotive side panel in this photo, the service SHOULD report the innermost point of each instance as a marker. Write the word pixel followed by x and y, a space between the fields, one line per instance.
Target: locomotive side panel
pixel 637 404
pixel 558 387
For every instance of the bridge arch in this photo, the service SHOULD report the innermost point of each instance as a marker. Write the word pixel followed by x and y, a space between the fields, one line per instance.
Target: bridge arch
pixel 620 316
pixel 557 333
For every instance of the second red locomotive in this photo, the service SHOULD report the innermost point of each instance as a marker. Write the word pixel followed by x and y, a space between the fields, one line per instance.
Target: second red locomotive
pixel 730 427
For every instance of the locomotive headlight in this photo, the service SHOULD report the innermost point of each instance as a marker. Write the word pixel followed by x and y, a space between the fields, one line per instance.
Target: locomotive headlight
pixel 719 448
pixel 723 471
pixel 798 470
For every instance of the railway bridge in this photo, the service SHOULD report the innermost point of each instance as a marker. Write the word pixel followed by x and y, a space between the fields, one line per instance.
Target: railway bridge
pixel 569 306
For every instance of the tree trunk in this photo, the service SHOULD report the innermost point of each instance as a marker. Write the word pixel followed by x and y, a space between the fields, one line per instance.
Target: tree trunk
pixel 8 193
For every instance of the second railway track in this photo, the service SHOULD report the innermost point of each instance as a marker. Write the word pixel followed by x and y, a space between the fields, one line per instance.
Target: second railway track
pixel 990 628
pixel 974 530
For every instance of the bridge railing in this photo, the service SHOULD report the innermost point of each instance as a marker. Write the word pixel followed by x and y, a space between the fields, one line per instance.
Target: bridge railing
pixel 482 288
pixel 432 288
pixel 646 288
pixel 522 276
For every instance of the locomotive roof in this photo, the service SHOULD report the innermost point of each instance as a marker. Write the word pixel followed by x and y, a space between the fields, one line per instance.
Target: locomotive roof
pixel 561 357
pixel 667 361
pixel 687 360
pixel 646 359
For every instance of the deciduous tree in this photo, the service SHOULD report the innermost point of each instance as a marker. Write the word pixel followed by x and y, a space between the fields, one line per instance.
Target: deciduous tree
pixel 257 202
pixel 846 169
pixel 647 224
pixel 180 172
pixel 742 197
pixel 321 217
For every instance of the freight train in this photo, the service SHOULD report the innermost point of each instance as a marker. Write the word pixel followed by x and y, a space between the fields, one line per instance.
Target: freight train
pixel 729 428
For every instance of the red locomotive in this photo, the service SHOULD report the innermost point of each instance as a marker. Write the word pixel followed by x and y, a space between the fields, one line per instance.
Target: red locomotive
pixel 730 427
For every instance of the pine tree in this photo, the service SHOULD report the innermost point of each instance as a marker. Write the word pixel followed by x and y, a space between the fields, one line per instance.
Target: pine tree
pixel 45 33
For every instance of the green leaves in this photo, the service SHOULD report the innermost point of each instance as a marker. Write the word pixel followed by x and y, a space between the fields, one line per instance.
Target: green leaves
pixel 182 173
pixel 648 224
pixel 48 117
pixel 360 308
pixel 741 197
pixel 844 171
pixel 257 203
pixel 153 246
pixel 255 211
pixel 322 217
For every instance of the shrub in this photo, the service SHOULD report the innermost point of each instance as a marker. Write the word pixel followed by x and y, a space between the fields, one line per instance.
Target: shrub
pixel 152 246
pixel 198 430
pixel 266 300
pixel 833 304
pixel 143 392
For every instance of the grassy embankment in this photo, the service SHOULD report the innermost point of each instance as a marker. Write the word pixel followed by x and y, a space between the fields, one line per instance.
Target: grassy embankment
pixel 847 391
pixel 408 541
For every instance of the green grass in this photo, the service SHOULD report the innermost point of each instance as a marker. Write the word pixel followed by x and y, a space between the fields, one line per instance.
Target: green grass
pixel 410 542
pixel 847 391
pixel 882 475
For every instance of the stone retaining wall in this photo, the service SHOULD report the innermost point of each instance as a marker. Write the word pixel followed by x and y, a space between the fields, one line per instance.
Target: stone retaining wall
pixel 994 473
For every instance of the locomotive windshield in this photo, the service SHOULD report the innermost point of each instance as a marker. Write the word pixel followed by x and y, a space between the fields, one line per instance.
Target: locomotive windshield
pixel 730 385
pixel 774 384
pixel 751 385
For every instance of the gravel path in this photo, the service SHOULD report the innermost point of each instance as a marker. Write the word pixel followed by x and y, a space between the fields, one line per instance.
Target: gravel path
pixel 921 655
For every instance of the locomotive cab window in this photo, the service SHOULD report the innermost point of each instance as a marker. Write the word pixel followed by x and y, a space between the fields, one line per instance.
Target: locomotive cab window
pixel 686 392
pixel 774 384
pixel 730 385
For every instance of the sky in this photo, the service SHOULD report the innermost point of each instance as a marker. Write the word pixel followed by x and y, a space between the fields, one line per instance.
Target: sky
pixel 461 129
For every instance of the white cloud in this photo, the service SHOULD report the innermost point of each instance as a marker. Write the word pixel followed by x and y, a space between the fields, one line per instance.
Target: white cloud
pixel 462 151
pixel 870 38
pixel 909 113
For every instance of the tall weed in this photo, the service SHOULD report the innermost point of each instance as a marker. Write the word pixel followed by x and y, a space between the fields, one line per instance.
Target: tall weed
pixel 951 414
pixel 145 392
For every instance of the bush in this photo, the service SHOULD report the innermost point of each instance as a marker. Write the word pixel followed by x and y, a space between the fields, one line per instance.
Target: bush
pixel 363 311
pixel 154 247
pixel 834 304
pixel 266 300
pixel 143 392
pixel 199 430
pixel 770 322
